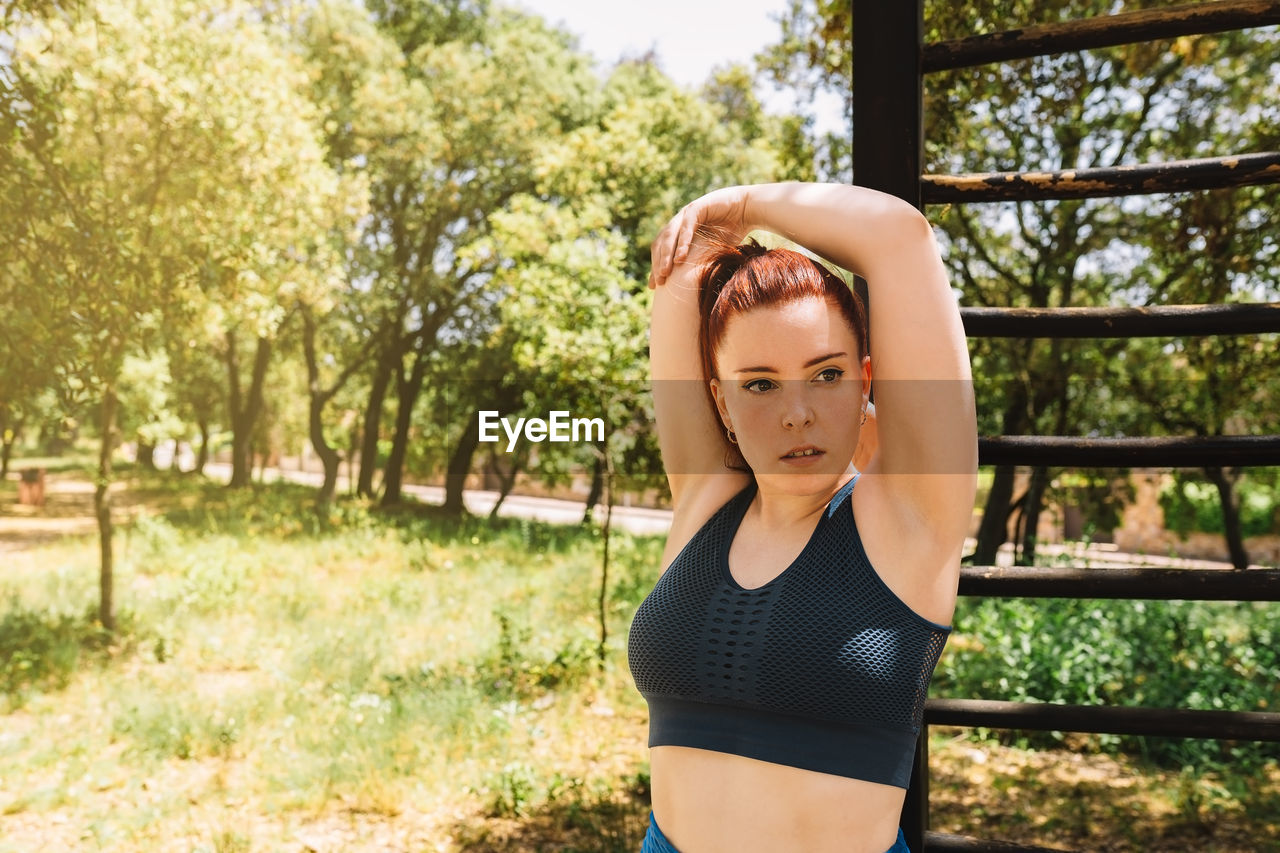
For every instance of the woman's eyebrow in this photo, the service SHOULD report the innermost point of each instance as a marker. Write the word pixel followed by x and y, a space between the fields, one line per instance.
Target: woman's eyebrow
pixel 810 363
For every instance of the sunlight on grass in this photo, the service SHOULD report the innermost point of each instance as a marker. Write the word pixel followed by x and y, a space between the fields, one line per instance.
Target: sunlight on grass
pixel 372 667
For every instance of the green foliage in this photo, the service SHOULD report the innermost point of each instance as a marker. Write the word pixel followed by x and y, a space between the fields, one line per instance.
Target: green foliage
pixel 170 728
pixel 512 791
pixel 592 812
pixel 516 670
pixel 814 54
pixel 173 163
pixel 1174 654
pixel 42 651
pixel 145 407
pixel 1190 504
pixel 1099 495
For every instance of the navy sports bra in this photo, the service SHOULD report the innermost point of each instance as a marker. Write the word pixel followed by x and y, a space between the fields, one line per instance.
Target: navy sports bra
pixel 823 668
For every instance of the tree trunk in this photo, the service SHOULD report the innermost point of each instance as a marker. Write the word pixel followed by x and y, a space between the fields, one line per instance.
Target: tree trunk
pixel 328 457
pixel 597 488
pixel 507 483
pixel 146 458
pixel 373 422
pixel 994 529
pixel 1033 500
pixel 8 438
pixel 455 480
pixel 318 398
pixel 1230 516
pixel 407 390
pixel 244 415
pixel 202 456
pixel 6 454
pixel 604 567
pixel 102 509
pixel 1032 505
pixel 353 451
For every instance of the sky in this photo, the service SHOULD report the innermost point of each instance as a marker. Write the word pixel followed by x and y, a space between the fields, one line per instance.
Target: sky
pixel 690 37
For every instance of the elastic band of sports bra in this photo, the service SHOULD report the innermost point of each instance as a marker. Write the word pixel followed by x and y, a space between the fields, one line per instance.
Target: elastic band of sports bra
pixel 876 753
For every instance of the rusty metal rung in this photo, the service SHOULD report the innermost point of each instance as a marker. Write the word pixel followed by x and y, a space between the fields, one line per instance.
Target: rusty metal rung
pixel 1131 582
pixel 1203 173
pixel 1104 719
pixel 1101 31
pixel 1161 452
pixel 1137 322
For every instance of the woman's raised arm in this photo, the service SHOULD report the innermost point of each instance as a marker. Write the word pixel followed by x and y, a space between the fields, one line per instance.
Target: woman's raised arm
pixel 692 439
pixel 919 360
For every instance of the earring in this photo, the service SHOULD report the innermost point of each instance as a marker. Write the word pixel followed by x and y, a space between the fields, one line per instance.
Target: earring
pixel 733 439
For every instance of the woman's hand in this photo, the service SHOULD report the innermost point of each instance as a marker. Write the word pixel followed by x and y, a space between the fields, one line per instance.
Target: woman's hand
pixel 721 213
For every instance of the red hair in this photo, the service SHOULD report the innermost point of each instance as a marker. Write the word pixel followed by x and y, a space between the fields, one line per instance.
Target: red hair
pixel 740 278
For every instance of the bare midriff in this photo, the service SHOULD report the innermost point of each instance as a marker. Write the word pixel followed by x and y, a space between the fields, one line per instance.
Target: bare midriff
pixel 713 802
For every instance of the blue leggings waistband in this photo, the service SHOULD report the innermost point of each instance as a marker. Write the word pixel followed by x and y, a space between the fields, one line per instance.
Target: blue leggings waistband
pixel 656 842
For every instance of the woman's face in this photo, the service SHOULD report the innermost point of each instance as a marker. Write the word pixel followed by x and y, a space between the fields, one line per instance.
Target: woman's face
pixel 791 386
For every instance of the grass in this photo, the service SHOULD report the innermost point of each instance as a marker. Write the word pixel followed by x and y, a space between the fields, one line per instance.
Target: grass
pixel 376 681
pixel 274 672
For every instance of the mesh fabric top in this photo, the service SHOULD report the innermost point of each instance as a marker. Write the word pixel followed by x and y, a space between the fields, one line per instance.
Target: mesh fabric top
pixel 823 668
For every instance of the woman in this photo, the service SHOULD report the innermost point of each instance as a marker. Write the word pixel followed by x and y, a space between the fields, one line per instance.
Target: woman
pixel 785 650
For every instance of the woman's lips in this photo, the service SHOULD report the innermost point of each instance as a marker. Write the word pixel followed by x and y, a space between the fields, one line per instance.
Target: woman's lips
pixel 803 456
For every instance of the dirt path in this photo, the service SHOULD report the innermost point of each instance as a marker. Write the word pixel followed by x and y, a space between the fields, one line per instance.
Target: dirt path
pixel 67 511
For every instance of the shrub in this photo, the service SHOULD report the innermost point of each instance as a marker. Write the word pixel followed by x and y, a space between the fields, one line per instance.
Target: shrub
pixel 1162 654
pixel 1191 504
pixel 41 651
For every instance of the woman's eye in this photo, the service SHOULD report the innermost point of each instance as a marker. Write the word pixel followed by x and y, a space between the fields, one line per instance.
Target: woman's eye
pixel 758 385
pixel 831 374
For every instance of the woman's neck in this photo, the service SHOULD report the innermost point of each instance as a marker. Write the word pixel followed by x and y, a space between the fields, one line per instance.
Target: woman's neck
pixel 778 510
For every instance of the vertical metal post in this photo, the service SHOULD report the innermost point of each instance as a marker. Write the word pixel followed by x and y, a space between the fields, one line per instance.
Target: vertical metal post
pixel 915 811
pixel 888 155
pixel 887 99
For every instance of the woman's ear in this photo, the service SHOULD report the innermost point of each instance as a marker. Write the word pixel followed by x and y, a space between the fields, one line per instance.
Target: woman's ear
pixel 722 404
pixel 866 381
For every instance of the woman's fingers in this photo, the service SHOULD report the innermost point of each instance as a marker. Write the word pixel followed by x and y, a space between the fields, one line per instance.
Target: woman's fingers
pixel 684 234
pixel 721 209
pixel 664 253
pixel 656 257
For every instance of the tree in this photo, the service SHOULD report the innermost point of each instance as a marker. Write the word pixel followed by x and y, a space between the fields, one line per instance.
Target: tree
pixel 173 162
pixel 815 55
pixel 569 309
pixel 146 412
pixel 569 327
pixel 198 391
pixel 1215 249
pixel 446 123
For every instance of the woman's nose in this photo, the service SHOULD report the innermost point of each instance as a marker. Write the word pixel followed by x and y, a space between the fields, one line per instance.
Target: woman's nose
pixel 797 412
